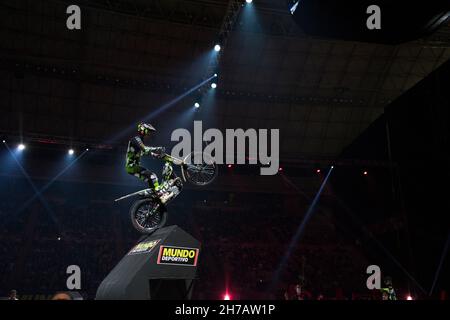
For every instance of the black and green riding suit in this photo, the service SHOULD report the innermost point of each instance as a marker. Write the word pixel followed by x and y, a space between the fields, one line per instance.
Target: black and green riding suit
pixel 136 149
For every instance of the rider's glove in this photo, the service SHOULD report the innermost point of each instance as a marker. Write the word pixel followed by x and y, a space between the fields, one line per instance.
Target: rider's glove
pixel 147 150
pixel 159 152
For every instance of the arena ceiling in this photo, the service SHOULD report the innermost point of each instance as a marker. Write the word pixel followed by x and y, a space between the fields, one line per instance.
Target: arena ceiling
pixel 132 56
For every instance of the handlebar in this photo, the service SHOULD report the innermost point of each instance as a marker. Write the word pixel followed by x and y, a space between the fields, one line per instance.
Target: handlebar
pixel 168 157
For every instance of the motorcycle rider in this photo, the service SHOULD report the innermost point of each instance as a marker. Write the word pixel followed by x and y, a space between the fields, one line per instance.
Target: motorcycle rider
pixel 136 149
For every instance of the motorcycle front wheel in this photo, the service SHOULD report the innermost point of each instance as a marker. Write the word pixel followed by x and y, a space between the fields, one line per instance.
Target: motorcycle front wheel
pixel 200 174
pixel 148 215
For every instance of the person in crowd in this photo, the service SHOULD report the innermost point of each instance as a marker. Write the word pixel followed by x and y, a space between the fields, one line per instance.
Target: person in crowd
pixel 13 295
pixel 388 292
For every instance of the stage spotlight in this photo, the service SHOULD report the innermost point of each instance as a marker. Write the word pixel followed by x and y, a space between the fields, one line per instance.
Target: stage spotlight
pixel 197 105
pixel 294 7
pixel 71 152
pixel 409 298
pixel 21 147
pixel 365 173
pixel 280 169
pixel 230 166
pixel 4 141
pixel 213 85
pixel 226 297
pixel 249 1
pixel 318 170
pixel 215 75
pixel 87 149
pixel 59 238
pixel 217 48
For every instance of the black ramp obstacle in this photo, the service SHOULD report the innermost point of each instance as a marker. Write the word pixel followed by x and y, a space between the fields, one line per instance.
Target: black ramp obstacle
pixel 162 265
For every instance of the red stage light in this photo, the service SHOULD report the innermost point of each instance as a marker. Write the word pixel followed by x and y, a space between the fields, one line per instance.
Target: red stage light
pixel 365 173
pixel 318 170
pixel 226 297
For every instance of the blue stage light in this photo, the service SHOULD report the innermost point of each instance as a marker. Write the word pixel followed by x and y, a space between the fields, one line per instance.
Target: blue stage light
pixel 157 111
pixel 294 7
pixel 217 48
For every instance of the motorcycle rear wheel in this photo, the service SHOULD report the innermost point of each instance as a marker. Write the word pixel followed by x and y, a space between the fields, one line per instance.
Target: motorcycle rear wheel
pixel 148 215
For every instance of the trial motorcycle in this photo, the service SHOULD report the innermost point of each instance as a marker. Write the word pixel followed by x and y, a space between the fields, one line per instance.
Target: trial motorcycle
pixel 149 213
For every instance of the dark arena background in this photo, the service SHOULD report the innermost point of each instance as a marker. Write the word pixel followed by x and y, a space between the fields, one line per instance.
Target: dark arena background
pixel 360 194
